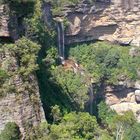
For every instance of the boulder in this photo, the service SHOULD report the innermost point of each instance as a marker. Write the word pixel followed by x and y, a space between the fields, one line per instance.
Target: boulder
pixel 122 99
pixel 137 96
pixel 137 85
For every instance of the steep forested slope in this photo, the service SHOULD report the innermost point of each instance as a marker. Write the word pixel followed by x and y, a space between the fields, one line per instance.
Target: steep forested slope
pixel 78 95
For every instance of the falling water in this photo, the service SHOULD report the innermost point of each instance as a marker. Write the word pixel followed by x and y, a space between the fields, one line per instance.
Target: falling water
pixel 61 39
pixel 63 43
pixel 91 97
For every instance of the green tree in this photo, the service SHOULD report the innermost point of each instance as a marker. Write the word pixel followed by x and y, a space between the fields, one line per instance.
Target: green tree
pixel 56 114
pixel 133 132
pixel 112 58
pixel 26 52
pixel 106 62
pixel 123 123
pixel 39 132
pixel 3 76
pixel 10 132
pixel 105 114
pixel 75 126
pixel 73 86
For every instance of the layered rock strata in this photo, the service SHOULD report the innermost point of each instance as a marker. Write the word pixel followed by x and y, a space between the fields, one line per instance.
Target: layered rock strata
pixel 19 100
pixel 123 99
pixel 8 23
pixel 116 21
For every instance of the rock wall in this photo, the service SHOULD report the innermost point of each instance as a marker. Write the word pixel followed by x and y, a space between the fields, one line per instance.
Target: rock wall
pixel 19 100
pixel 116 21
pixel 122 98
pixel 4 17
pixel 8 23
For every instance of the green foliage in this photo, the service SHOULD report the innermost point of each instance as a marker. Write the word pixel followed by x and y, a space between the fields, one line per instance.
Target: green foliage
pixel 112 58
pixel 105 114
pixel 17 1
pixel 27 52
pixel 10 132
pixel 58 5
pixel 122 126
pixel 3 76
pixel 51 57
pixel 39 132
pixel 106 61
pixel 133 132
pixel 127 118
pixel 73 85
pixel 20 61
pixel 73 128
pixel 56 113
pixel 36 29
pixel 20 7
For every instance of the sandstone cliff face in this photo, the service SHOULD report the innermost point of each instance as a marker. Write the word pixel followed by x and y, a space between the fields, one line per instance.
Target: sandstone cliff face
pixel 123 99
pixel 4 17
pixel 21 103
pixel 118 21
pixel 8 23
pixel 19 98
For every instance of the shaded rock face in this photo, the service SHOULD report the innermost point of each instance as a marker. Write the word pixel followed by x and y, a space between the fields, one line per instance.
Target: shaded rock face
pixel 47 14
pixel 116 21
pixel 4 31
pixel 8 23
pixel 21 104
pixel 123 99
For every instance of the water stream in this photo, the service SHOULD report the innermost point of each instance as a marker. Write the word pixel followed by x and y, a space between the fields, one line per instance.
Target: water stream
pixel 91 97
pixel 75 66
pixel 61 40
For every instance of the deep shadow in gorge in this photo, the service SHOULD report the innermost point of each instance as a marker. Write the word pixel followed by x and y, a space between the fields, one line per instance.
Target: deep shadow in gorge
pixel 50 92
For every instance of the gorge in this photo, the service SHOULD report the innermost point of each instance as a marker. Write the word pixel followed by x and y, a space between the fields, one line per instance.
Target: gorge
pixel 70 69
pixel 61 39
pixel 104 21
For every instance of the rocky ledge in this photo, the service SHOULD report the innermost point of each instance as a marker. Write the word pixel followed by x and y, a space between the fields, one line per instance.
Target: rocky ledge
pixel 8 23
pixel 4 17
pixel 116 21
pixel 21 104
pixel 123 99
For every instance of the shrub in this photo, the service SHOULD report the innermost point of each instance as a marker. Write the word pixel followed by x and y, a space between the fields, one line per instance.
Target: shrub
pixel 10 132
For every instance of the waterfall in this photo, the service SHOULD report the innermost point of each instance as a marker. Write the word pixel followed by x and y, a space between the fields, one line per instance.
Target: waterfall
pixel 61 40
pixel 91 97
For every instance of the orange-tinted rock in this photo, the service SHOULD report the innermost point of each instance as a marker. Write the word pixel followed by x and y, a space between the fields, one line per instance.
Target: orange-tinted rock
pixel 115 22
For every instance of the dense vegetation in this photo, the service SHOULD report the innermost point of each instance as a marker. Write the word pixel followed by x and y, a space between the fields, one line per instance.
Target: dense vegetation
pixel 107 62
pixel 11 132
pixel 64 94
pixel 58 5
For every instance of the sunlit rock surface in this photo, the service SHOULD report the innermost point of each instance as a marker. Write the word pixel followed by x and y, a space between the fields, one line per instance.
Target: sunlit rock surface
pixel 4 17
pixel 123 99
pixel 117 21
pixel 21 104
pixel 8 23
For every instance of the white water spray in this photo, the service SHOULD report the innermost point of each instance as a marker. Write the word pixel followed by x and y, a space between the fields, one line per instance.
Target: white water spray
pixel 91 97
pixel 61 41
